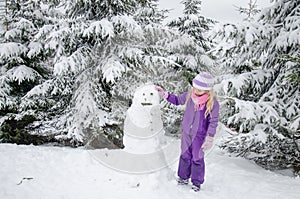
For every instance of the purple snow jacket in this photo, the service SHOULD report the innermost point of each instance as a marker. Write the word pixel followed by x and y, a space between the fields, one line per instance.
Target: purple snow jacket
pixel 194 122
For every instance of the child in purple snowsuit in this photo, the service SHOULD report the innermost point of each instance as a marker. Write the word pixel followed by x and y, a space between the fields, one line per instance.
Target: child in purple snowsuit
pixel 199 125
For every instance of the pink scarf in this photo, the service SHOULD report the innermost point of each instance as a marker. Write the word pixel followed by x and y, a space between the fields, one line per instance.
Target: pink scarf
pixel 199 101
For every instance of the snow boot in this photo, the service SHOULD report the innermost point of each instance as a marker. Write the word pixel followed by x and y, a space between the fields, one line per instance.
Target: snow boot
pixel 196 188
pixel 181 181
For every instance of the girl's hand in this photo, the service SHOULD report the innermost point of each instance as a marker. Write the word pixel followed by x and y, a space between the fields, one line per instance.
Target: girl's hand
pixel 159 89
pixel 208 143
pixel 161 92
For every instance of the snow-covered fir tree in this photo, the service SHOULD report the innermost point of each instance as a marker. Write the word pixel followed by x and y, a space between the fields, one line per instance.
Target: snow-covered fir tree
pixel 155 61
pixel 23 64
pixel 70 101
pixel 87 62
pixel 89 45
pixel 144 59
pixel 249 11
pixel 193 58
pixel 261 96
pixel 194 26
pixel 193 23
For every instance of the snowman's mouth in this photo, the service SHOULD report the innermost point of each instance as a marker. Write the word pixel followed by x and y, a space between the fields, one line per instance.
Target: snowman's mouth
pixel 146 104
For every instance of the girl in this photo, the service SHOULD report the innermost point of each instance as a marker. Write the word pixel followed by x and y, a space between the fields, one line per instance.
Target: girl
pixel 199 125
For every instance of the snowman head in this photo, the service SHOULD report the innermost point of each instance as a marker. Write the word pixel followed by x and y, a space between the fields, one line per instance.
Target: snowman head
pixel 146 96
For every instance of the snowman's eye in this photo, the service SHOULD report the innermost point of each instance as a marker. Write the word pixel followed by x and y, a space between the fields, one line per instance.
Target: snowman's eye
pixel 151 93
pixel 143 94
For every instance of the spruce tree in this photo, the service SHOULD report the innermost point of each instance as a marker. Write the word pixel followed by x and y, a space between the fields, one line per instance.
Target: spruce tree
pixel 152 62
pixel 86 50
pixel 193 25
pixel 250 11
pixel 98 52
pixel 22 61
pixel 193 56
pixel 261 103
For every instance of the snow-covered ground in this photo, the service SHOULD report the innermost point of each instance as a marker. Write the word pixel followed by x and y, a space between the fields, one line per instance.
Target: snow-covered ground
pixel 32 172
pixel 60 172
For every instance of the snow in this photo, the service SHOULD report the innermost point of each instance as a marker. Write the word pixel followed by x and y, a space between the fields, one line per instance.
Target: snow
pixel 62 172
pixel 129 24
pixel 22 73
pixel 47 171
pixel 103 28
pixel 46 29
pixel 11 49
pixel 206 60
pixel 39 89
pixel 86 106
pixel 84 113
pixel 25 24
pixel 13 33
pixel 185 40
pixel 34 49
pixel 237 82
pixel 295 124
pixel 54 172
pixel 20 27
pixel 78 61
pixel 112 69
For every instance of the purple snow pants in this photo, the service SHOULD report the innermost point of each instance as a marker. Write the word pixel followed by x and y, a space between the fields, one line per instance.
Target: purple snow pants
pixel 191 162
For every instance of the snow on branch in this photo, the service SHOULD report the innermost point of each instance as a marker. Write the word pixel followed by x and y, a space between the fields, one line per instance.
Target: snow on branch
pixel 84 113
pixel 13 33
pixel 35 48
pixel 206 60
pixel 112 68
pixel 55 38
pixel 22 73
pixel 4 91
pixel 247 114
pixel 44 31
pixel 128 24
pixel 286 39
pixel 78 61
pixel 11 49
pixel 39 90
pixel 238 85
pixel 24 24
pixel 182 43
pixel 155 30
pixel 131 53
pixel 21 26
pixel 294 126
pixel 102 28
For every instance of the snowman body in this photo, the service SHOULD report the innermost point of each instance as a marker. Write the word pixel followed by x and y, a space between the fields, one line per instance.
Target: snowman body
pixel 143 128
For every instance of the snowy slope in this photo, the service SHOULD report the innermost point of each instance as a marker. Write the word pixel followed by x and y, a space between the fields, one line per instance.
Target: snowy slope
pixel 76 173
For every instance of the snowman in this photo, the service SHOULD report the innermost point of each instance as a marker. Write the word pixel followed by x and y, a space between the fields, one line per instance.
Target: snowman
pixel 143 127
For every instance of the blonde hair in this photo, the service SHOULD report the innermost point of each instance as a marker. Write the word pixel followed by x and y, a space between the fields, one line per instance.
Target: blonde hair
pixel 209 103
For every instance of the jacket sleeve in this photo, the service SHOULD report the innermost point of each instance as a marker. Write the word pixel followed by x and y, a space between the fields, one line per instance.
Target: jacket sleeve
pixel 213 119
pixel 177 100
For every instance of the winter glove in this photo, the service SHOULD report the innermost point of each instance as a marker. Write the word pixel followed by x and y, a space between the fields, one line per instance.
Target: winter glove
pixel 162 93
pixel 208 143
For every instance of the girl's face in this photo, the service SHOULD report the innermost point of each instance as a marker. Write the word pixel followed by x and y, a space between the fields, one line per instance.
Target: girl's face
pixel 200 92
